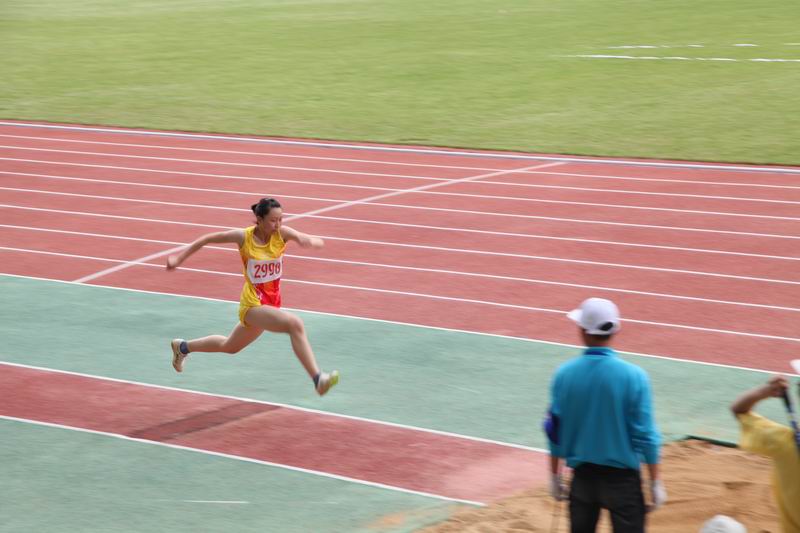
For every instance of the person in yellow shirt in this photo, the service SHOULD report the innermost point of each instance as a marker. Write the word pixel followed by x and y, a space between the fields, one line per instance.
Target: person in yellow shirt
pixel 764 437
pixel 261 249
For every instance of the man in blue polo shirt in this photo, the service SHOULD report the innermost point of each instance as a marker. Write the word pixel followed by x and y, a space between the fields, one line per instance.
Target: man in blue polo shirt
pixel 601 424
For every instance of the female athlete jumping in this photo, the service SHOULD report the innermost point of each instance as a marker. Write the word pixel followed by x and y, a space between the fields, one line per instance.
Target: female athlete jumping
pixel 261 248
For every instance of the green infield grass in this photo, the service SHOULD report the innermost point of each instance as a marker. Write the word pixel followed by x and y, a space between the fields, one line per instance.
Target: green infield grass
pixel 495 74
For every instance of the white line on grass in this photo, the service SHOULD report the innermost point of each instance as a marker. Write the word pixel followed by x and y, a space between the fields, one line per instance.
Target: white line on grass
pixel 651 46
pixel 370 161
pixel 245 459
pixel 394 322
pixel 420 295
pixel 682 58
pixel 399 149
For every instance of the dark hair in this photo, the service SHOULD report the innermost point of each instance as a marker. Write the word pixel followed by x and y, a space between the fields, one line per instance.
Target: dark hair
pixel 264 206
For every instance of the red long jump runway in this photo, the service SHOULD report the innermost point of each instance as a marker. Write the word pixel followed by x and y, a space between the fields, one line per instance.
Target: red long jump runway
pixel 414 460
pixel 701 258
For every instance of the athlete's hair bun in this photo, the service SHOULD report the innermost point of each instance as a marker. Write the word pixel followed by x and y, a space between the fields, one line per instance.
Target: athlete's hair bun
pixel 264 206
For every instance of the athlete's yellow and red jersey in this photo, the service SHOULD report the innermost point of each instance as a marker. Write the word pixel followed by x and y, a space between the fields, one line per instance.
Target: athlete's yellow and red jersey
pixel 262 265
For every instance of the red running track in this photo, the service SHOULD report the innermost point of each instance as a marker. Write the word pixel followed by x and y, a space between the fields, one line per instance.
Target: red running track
pixel 442 465
pixel 701 258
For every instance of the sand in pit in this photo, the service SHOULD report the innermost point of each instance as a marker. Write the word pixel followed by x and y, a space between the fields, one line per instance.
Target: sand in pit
pixel 702 480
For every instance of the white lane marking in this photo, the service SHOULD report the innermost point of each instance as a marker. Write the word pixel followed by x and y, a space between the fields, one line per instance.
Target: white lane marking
pixel 560 259
pixel 223 163
pixel 128 264
pixel 358 221
pixel 421 188
pixel 242 458
pixel 433 270
pixel 339 205
pixel 389 189
pixel 372 161
pixel 371 199
pixel 400 206
pixel 274 404
pixel 224 502
pixel 419 295
pixel 409 150
pixel 222 177
pixel 396 322
pixel 262 154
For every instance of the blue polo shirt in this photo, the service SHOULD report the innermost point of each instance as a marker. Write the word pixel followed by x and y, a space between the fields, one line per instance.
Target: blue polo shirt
pixel 604 410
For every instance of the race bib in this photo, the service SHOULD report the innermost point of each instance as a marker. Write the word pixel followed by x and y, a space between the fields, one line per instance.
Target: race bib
pixel 264 271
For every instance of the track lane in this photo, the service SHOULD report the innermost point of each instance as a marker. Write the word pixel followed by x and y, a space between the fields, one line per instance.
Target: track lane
pixel 502 292
pixel 689 345
pixel 547 206
pixel 716 348
pixel 446 466
pixel 357 171
pixel 535 196
pixel 501 209
pixel 406 252
pixel 393 153
pixel 535 249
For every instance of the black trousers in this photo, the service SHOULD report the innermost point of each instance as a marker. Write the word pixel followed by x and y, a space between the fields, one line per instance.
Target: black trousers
pixel 596 487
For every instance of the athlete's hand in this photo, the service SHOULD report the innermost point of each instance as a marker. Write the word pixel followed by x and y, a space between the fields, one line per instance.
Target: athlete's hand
pixel 172 262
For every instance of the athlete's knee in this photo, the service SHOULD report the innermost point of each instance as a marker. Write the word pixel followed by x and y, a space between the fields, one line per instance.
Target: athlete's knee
pixel 230 349
pixel 296 326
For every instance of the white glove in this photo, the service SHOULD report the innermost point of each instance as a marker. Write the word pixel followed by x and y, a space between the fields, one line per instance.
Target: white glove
pixel 558 489
pixel 658 494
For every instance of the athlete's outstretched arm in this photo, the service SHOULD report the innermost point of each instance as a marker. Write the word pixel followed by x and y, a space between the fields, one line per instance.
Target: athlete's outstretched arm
pixel 303 239
pixel 234 235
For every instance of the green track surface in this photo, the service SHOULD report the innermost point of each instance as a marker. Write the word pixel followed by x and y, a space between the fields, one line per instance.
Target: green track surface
pixel 56 480
pixel 476 385
pixel 467 73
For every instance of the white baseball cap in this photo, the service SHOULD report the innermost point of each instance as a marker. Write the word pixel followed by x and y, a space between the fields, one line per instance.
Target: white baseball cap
pixel 597 316
pixel 723 524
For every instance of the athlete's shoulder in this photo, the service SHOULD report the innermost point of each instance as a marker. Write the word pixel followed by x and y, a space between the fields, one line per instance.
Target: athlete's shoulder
pixel 287 233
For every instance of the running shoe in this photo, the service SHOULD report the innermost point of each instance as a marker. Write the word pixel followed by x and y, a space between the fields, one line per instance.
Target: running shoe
pixel 327 381
pixel 177 355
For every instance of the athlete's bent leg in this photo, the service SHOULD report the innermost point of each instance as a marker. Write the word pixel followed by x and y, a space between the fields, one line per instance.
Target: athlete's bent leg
pixel 278 321
pixel 239 338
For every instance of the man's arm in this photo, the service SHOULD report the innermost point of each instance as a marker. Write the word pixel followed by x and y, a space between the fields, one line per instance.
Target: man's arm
pixel 644 433
pixel 774 388
pixel 647 440
pixel 552 427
